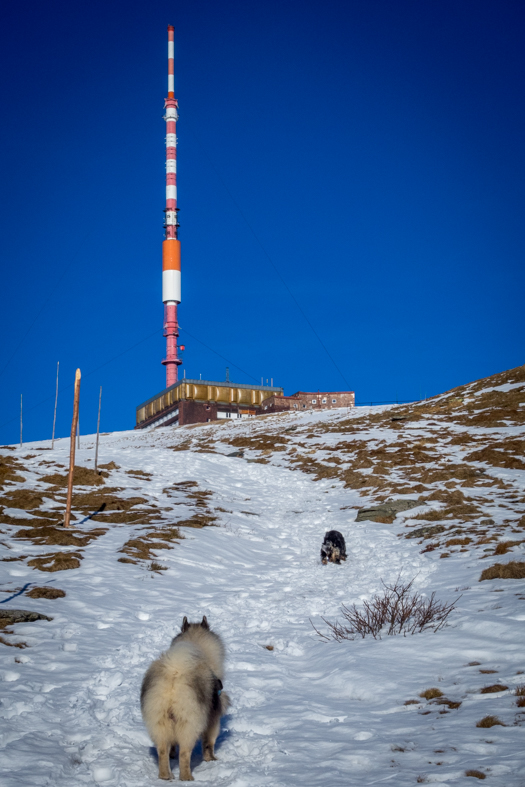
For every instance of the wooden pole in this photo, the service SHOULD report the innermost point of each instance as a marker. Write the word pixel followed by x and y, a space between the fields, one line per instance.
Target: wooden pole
pixel 20 420
pixel 55 413
pixel 78 432
pixel 98 427
pixel 74 423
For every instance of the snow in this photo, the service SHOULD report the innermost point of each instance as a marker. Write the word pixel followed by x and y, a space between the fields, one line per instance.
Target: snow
pixel 304 712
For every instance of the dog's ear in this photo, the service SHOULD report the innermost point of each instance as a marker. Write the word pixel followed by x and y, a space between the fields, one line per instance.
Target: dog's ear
pixel 205 624
pixel 185 625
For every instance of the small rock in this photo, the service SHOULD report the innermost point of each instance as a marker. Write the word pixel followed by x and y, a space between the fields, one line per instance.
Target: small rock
pixel 386 510
pixel 487 522
pixel 426 532
pixel 239 454
pixel 10 616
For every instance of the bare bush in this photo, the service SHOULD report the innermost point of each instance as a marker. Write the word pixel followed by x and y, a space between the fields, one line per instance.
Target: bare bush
pixel 397 610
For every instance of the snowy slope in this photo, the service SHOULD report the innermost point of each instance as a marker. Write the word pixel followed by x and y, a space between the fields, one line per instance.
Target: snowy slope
pixel 303 711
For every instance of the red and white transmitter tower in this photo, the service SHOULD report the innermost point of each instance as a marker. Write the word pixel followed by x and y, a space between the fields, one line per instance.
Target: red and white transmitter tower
pixel 171 245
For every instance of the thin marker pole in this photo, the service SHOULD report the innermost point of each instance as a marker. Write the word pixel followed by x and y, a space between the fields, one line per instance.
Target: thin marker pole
pixel 74 423
pixel 78 432
pixel 55 413
pixel 20 420
pixel 98 427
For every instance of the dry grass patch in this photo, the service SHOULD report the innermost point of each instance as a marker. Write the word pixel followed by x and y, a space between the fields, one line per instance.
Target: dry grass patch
pixel 144 545
pixel 512 570
pixel 140 474
pixel 493 689
pixel 475 774
pixel 45 592
pixel 25 499
pixel 489 721
pixel 8 470
pixel 431 694
pixel 498 457
pixel 56 561
pixel 505 546
pixel 455 542
pixel 82 476
pixel 260 442
pixel 43 532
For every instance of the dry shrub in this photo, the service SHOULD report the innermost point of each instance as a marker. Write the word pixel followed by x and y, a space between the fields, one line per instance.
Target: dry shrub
pixel 397 610
pixel 431 694
pixel 512 570
pixel 82 476
pixel 110 466
pixel 493 689
pixel 475 774
pixel 519 691
pixel 489 721
pixel 46 592
pixel 56 561
pixel 156 567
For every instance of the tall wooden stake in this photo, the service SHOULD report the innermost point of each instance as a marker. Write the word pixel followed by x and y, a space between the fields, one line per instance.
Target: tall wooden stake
pixel 98 427
pixel 55 413
pixel 20 420
pixel 67 517
pixel 78 432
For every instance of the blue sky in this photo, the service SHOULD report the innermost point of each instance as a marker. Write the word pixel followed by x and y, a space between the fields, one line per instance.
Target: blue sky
pixel 366 156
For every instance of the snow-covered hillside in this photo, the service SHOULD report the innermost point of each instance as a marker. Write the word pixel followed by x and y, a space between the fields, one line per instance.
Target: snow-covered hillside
pixel 184 529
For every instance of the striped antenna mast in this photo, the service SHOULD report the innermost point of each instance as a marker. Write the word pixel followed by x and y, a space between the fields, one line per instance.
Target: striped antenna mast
pixel 171 245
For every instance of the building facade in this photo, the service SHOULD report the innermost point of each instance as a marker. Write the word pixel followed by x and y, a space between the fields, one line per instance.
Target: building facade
pixel 200 401
pixel 303 400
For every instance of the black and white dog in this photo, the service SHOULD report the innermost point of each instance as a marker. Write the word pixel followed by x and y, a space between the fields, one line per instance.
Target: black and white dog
pixel 333 549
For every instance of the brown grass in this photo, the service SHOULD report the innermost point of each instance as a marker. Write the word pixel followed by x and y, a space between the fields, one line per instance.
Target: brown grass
pixel 493 689
pixel 8 470
pixel 489 721
pixel 431 694
pixel 56 561
pixel 20 645
pixel 42 532
pixel 260 442
pixel 512 570
pixel 144 545
pixel 25 499
pixel 140 474
pixel 498 458
pixel 45 592
pixel 454 542
pixel 156 567
pixel 475 774
pixel 505 546
pixel 82 476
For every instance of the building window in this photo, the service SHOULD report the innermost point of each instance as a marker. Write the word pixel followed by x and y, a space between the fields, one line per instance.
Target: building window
pixel 314 401
pixel 334 401
pixel 324 401
pixel 228 415
pixel 295 406
pixel 304 405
